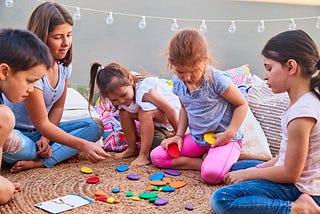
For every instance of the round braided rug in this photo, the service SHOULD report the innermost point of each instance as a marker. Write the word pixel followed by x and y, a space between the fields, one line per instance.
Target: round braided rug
pixel 45 184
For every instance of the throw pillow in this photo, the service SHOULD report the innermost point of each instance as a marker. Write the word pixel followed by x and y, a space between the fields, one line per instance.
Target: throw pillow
pixel 76 106
pixel 255 145
pixel 241 77
pixel 268 107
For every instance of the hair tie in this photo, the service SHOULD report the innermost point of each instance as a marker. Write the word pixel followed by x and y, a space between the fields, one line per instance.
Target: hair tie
pixel 100 68
pixel 318 65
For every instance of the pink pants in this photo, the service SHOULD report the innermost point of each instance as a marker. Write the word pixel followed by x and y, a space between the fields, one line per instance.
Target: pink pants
pixel 217 163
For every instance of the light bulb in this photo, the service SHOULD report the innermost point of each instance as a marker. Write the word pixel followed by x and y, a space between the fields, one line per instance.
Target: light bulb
pixel 292 25
pixel 142 23
pixel 203 27
pixel 232 27
pixel 174 25
pixel 77 15
pixel 261 27
pixel 318 22
pixel 109 19
pixel 9 3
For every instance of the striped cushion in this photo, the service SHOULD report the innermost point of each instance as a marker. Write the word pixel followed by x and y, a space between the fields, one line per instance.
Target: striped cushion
pixel 268 107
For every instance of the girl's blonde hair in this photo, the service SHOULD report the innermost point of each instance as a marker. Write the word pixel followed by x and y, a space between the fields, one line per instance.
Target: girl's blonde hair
pixel 188 47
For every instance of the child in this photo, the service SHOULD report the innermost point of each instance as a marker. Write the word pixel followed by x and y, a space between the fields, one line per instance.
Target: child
pixel 148 100
pixel 23 60
pixel 47 140
pixel 289 183
pixel 209 103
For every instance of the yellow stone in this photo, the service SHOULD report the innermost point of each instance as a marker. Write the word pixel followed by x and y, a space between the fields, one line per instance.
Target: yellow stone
pixel 86 170
pixel 110 200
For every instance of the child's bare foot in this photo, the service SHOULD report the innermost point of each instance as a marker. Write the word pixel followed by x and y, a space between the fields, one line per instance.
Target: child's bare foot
pixel 73 159
pixel 125 154
pixel 25 165
pixel 305 205
pixel 140 161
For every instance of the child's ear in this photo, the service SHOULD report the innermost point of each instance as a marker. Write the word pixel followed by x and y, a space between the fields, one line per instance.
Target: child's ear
pixel 292 66
pixel 4 71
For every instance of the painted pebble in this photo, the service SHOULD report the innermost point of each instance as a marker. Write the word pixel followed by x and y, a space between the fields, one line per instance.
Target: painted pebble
pixel 172 172
pixel 122 168
pixel 93 180
pixel 161 201
pixel 168 189
pixel 133 177
pixel 102 198
pixel 135 198
pixel 110 200
pixel 86 170
pixel 173 150
pixel 188 207
pixel 147 195
pixel 99 193
pixel 157 176
pixel 115 190
pixel 177 184
pixel 129 194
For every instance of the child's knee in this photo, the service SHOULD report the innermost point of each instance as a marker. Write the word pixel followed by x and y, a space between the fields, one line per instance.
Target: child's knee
pixel 160 158
pixel 7 121
pixel 212 175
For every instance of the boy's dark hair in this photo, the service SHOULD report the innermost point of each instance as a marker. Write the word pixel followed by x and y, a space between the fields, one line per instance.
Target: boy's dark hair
pixel 22 50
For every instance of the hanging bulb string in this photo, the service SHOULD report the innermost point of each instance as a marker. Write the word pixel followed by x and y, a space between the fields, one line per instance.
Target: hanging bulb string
pixel 188 19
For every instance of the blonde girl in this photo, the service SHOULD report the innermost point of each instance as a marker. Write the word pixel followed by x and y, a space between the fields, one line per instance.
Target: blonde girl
pixel 210 103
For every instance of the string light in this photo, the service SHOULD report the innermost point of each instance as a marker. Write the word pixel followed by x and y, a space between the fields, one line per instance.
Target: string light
pixel 292 24
pixel 77 15
pixel 232 27
pixel 9 3
pixel 174 25
pixel 109 19
pixel 261 27
pixel 142 23
pixel 318 23
pixel 203 27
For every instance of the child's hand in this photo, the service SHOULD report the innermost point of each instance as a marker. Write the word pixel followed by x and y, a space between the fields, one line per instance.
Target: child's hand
pixel 238 176
pixel 175 139
pixel 44 148
pixel 222 138
pixel 93 152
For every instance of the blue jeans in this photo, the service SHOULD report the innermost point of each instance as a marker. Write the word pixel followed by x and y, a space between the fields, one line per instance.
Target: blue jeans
pixel 255 196
pixel 85 128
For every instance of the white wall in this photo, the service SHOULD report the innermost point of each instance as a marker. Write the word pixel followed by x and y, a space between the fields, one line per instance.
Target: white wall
pixel 124 42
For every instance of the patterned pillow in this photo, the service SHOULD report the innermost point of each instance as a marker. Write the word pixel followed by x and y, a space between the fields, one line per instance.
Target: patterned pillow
pixel 255 145
pixel 268 107
pixel 241 77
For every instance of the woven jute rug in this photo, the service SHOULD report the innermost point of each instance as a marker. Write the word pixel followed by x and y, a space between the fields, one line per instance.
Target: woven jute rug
pixel 45 184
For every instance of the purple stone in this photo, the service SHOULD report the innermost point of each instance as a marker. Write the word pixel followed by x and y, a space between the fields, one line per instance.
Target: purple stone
pixel 188 207
pixel 161 201
pixel 133 177
pixel 172 172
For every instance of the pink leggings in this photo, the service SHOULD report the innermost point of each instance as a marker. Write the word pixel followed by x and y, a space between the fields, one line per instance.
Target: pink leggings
pixel 217 163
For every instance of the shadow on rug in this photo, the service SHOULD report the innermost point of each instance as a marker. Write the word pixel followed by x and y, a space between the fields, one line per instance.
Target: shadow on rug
pixel 45 184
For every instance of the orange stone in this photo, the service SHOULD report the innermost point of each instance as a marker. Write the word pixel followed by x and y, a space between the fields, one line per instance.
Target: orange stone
pixel 177 184
pixel 157 183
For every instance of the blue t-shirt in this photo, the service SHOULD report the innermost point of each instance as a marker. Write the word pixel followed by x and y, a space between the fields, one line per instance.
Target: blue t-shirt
pixel 50 96
pixel 206 109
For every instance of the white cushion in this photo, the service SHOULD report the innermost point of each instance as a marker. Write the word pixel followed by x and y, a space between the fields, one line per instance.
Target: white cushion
pixel 76 106
pixel 255 145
